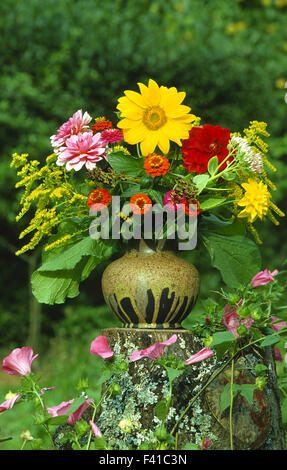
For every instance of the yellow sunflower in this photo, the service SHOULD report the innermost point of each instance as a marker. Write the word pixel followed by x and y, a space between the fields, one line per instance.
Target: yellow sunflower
pixel 154 116
pixel 256 200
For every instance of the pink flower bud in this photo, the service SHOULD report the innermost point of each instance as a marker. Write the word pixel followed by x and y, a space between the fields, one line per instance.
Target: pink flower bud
pixel 100 347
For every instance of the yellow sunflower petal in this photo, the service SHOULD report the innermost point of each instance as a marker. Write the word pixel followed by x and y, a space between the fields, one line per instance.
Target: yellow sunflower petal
pixel 135 135
pixel 150 142
pixel 135 98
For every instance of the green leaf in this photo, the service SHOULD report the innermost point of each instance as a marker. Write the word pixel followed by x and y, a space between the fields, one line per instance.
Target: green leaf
pixel 173 373
pixel 131 191
pixel 221 342
pixel 59 277
pixel 212 165
pixel 191 446
pixel 100 443
pixel 247 391
pixel 270 339
pixel 155 195
pixel 70 257
pixel 57 420
pixel 200 181
pixel 161 410
pixel 236 257
pixel 126 163
pixel 211 202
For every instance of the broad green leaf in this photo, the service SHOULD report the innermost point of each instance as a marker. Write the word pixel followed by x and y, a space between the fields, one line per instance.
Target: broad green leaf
pixel 236 257
pixel 53 288
pixel 126 163
pixel 70 257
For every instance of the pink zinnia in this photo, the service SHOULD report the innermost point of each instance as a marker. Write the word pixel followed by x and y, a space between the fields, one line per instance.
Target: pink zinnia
pixel 154 351
pixel 19 361
pixel 263 277
pixel 8 404
pixel 77 123
pixel 204 353
pixel 82 150
pixel 100 347
pixel 169 203
pixel 76 415
pixel 111 136
pixel 95 429
pixel 60 409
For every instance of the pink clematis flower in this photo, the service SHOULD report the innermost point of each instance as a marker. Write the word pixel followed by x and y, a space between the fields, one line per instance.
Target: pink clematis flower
pixel 204 353
pixel 277 325
pixel 76 124
pixel 263 277
pixel 60 409
pixel 100 347
pixel 170 204
pixel 8 404
pixel 19 361
pixel 232 320
pixel 76 415
pixel 95 429
pixel 154 351
pixel 82 150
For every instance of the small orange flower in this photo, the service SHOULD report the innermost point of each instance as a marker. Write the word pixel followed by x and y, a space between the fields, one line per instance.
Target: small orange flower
pixel 156 165
pixel 99 196
pixel 102 124
pixel 140 204
pixel 190 210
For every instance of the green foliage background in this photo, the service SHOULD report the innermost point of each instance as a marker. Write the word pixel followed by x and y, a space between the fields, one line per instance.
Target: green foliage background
pixel 58 56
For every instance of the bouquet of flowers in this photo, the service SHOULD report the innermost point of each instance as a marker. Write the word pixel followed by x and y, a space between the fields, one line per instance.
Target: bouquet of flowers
pixel 158 153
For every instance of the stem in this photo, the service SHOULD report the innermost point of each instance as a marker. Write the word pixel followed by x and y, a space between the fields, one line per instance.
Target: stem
pixel 23 445
pixel 95 410
pixel 231 405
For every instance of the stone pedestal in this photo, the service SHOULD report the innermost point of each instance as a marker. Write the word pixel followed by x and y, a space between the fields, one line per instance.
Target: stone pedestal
pixel 255 426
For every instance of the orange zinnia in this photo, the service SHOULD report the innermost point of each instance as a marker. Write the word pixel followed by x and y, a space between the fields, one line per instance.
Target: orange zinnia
pixel 190 210
pixel 140 204
pixel 102 124
pixel 156 165
pixel 99 196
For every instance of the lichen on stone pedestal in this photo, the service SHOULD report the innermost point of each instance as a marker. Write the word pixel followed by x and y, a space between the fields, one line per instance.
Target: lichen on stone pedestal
pixel 146 383
pixel 128 420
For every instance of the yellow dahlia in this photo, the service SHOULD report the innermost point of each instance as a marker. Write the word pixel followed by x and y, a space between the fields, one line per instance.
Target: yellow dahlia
pixel 256 200
pixel 154 116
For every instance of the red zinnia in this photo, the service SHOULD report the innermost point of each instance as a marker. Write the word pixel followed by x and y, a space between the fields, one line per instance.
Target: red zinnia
pixel 99 196
pixel 140 204
pixel 205 142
